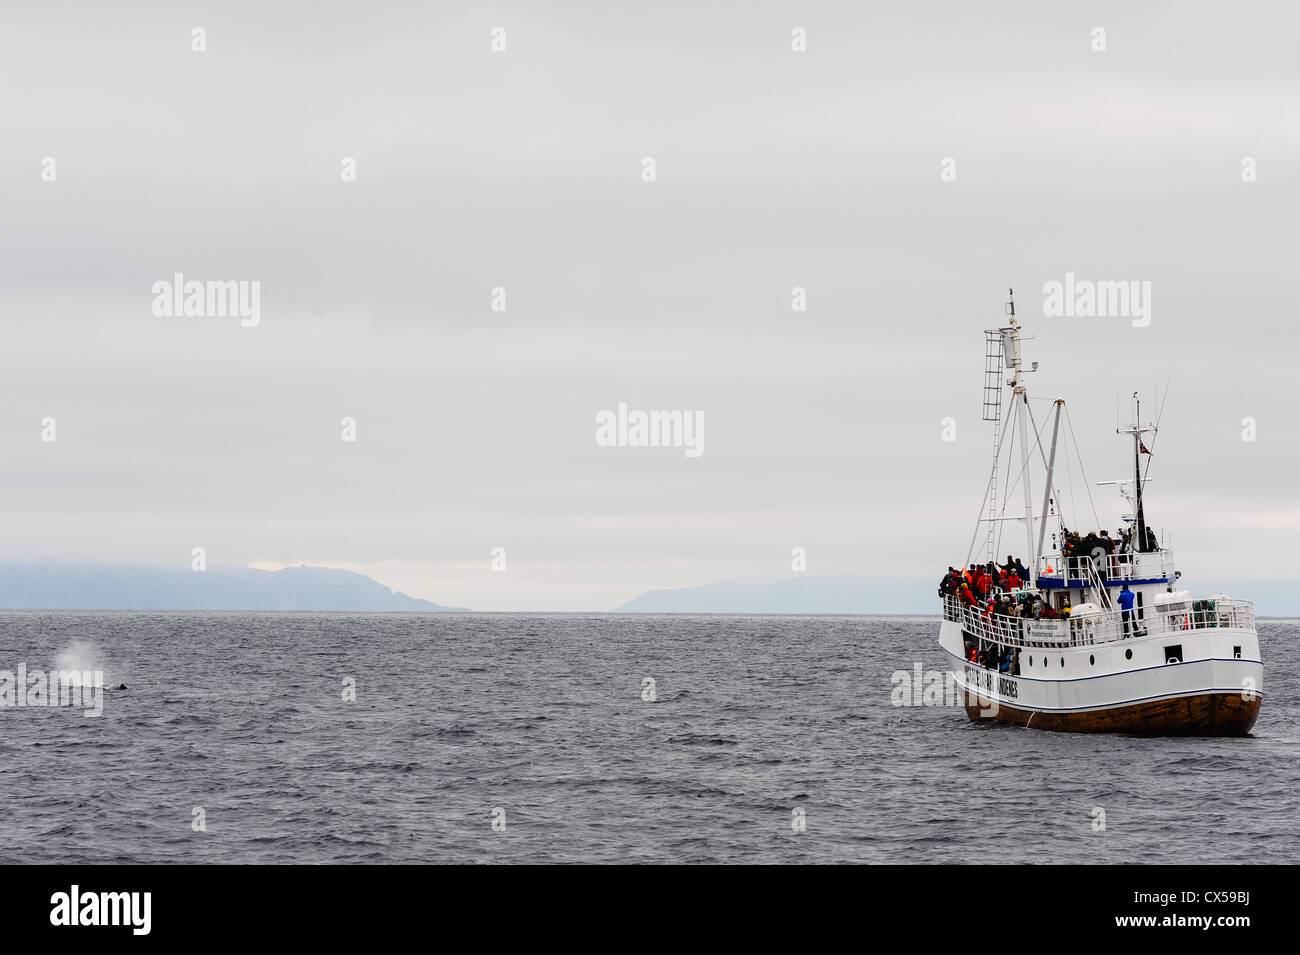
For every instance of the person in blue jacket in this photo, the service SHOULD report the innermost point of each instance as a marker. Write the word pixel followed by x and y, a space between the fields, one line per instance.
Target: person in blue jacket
pixel 1126 598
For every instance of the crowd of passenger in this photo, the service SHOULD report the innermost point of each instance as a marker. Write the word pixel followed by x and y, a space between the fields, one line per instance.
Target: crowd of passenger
pixel 1006 590
pixel 998 588
pixel 1074 544
pixel 978 583
pixel 995 587
pixel 994 657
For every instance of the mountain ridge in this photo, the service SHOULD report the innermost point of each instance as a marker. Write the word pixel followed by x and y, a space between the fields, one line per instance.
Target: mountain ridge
pixel 81 586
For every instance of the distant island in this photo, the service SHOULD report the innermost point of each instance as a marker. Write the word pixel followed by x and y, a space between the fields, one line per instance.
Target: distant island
pixel 98 587
pixel 893 595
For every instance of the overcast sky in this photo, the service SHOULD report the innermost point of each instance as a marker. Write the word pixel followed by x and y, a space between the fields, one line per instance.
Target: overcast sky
pixel 522 169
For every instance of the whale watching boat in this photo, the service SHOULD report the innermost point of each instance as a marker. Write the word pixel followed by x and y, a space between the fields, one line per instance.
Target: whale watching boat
pixel 1094 633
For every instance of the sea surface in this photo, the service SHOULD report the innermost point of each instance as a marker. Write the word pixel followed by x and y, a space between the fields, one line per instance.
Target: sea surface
pixel 526 738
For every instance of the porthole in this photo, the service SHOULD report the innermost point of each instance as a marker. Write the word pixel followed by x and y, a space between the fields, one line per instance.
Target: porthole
pixel 1062 661
pixel 1031 660
pixel 1128 654
pixel 1092 661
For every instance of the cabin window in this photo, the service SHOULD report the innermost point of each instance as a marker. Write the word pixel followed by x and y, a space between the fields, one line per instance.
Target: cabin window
pixel 1174 653
pixel 1236 653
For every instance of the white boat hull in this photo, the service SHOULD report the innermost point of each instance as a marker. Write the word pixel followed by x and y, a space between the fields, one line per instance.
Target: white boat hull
pixel 1213 686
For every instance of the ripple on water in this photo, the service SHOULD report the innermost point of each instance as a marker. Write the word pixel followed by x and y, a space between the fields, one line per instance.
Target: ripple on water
pixel 538 720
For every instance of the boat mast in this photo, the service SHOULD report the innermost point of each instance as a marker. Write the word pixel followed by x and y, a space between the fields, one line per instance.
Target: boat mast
pixel 1020 394
pixel 1137 471
pixel 1051 466
pixel 1139 520
pixel 1002 355
pixel 1022 416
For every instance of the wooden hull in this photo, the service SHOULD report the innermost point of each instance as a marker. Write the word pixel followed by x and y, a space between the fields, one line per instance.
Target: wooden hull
pixel 1204 714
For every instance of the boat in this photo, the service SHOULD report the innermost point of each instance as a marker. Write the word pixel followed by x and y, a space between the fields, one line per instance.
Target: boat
pixel 1051 645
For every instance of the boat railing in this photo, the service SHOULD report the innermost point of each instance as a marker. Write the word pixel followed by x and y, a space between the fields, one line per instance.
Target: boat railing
pixel 1098 583
pixel 1152 565
pixel 1087 629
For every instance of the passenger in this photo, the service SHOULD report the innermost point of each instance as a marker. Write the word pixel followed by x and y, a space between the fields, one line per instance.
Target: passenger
pixel 1074 545
pixel 945 585
pixel 1013 581
pixel 1126 598
pixel 967 598
pixel 1108 564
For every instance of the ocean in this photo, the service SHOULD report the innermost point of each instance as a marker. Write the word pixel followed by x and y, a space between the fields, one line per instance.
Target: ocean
pixel 538 738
